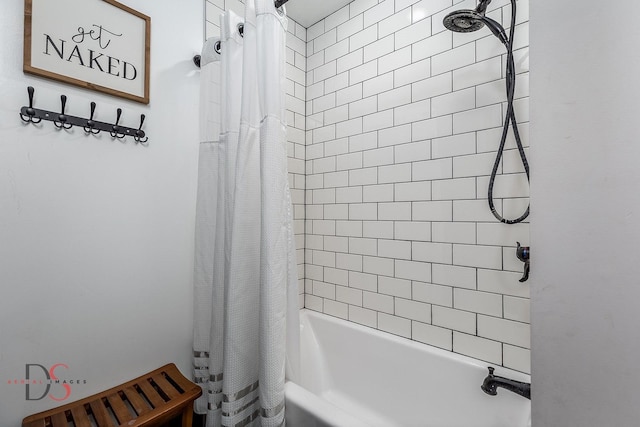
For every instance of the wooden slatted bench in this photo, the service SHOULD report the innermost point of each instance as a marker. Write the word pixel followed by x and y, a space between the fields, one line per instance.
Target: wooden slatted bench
pixel 150 400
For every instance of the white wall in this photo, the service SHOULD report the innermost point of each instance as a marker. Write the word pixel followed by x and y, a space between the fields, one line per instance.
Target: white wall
pixel 585 203
pixel 96 236
pixel 403 124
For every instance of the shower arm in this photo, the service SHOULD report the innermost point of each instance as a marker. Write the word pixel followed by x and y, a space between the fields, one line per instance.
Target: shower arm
pixel 482 6
pixel 493 25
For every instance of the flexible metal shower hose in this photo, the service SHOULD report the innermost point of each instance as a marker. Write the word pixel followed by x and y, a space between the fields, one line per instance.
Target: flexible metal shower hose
pixel 510 119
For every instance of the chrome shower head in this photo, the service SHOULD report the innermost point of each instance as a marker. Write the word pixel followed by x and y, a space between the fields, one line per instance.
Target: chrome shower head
pixel 464 21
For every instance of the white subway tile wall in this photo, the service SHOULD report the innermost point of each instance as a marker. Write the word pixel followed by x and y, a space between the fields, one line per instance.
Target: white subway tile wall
pixel 401 120
pixel 404 120
pixel 296 88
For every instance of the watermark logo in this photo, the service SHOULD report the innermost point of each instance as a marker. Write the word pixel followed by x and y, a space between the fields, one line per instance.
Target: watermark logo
pixel 41 382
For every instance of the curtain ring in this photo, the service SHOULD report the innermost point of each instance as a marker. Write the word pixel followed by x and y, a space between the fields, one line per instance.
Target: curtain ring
pixel 241 29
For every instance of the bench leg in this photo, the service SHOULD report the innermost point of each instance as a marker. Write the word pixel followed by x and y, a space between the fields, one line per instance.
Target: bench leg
pixel 187 416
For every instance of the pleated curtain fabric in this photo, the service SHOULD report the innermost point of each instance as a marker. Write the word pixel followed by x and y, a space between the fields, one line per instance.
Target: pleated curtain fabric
pixel 246 290
pixel 209 257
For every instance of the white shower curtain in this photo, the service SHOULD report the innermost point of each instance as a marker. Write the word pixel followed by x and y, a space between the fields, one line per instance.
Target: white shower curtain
pixel 246 293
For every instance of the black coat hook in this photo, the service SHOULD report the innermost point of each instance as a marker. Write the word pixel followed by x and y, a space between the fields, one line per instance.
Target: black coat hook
pixel 115 129
pixel 29 117
pixel 139 134
pixel 61 123
pixel 62 120
pixel 89 126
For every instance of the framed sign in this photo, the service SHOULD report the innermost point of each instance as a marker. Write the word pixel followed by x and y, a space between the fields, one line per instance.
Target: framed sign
pixel 96 44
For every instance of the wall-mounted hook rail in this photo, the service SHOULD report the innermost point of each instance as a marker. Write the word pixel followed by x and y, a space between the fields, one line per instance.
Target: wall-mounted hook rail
pixel 65 121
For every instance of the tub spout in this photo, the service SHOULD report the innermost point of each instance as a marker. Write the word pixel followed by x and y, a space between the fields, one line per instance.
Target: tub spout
pixel 492 382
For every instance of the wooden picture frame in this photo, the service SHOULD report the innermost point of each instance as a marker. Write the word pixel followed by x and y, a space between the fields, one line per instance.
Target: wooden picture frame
pixel 100 45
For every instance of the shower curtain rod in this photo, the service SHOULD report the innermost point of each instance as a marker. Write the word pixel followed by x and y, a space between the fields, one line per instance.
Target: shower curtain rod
pixel 198 58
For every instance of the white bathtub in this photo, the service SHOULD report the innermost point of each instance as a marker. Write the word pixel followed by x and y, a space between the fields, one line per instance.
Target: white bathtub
pixel 354 376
